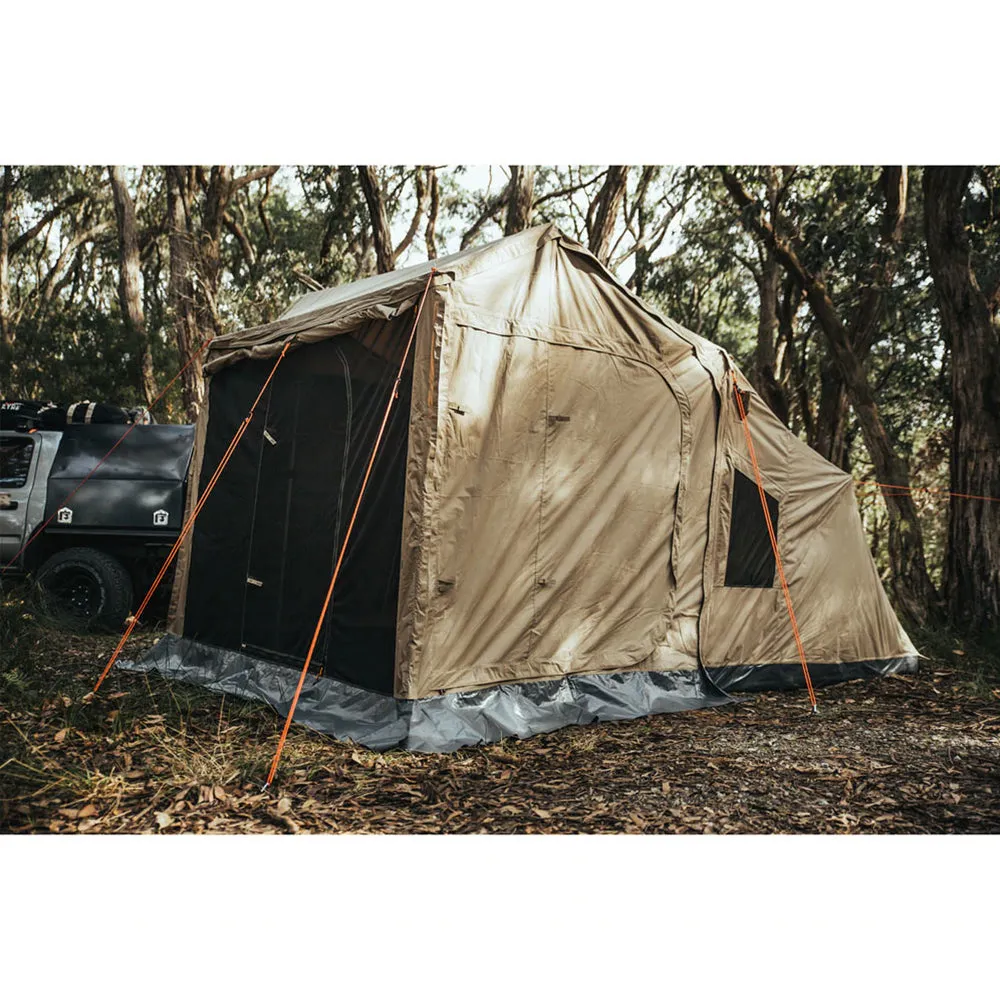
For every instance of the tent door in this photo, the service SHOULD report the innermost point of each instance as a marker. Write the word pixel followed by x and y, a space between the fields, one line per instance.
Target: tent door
pixel 297 516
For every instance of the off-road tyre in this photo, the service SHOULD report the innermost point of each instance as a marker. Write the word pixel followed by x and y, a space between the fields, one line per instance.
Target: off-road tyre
pixel 84 589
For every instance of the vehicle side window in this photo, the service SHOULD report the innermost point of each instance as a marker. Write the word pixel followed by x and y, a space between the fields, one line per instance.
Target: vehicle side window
pixel 750 561
pixel 15 461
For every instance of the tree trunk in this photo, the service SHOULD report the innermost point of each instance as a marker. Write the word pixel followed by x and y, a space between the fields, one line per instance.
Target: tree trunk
pixel 6 217
pixel 604 212
pixel 422 194
pixel 972 573
pixel 208 260
pixel 794 361
pixel 911 584
pixel 130 281
pixel 520 196
pixel 180 289
pixel 429 235
pixel 380 224
pixel 765 377
pixel 831 415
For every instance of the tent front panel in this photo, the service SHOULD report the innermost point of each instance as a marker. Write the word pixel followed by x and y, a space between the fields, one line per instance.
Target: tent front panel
pixel 266 542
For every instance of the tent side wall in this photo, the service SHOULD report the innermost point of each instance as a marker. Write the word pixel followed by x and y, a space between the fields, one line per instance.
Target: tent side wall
pixel 551 477
pixel 843 613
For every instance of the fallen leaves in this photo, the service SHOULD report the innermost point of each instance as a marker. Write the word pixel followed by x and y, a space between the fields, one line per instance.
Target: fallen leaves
pixel 917 756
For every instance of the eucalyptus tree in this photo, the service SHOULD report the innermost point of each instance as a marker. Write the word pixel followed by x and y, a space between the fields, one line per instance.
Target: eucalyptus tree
pixel 962 220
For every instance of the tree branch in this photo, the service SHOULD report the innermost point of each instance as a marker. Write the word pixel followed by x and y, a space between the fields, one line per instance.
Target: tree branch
pixel 429 234
pixel 491 208
pixel 29 234
pixel 241 237
pixel 418 214
pixel 379 223
pixel 252 175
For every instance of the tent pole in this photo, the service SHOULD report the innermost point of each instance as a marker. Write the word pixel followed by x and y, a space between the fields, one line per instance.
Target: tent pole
pixel 133 620
pixel 774 543
pixel 347 537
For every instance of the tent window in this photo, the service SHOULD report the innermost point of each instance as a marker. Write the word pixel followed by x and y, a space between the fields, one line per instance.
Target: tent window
pixel 750 562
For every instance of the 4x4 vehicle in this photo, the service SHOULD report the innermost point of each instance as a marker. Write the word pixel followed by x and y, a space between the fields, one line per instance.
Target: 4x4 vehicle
pixel 106 540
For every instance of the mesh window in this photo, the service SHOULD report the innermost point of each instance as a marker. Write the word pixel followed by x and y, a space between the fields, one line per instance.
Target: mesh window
pixel 750 562
pixel 266 542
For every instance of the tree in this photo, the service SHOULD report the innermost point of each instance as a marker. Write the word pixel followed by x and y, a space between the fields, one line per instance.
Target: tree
pixel 430 233
pixel 379 221
pixel 973 566
pixel 520 195
pixel 603 215
pixel 384 205
pixel 180 289
pixel 6 215
pixel 130 280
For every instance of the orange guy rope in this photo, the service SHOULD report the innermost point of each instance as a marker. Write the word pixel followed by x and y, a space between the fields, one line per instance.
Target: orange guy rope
pixel 922 489
pixel 134 619
pixel 774 546
pixel 347 537
pixel 72 493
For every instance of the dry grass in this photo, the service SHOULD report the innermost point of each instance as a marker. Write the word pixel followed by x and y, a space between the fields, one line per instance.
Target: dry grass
pixel 147 756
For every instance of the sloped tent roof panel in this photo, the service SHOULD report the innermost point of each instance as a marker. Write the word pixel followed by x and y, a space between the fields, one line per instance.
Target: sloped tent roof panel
pixel 333 311
pixel 520 277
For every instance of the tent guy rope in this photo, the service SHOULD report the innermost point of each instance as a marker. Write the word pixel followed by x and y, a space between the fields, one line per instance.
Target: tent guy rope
pixel 73 492
pixel 878 487
pixel 347 537
pixel 133 620
pixel 774 543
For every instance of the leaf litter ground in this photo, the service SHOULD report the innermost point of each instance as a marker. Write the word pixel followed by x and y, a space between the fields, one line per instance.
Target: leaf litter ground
pixel 898 755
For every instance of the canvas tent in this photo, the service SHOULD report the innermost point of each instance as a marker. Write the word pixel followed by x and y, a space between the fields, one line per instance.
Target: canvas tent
pixel 562 523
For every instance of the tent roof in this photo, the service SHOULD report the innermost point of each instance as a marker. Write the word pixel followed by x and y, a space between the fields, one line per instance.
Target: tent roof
pixel 406 280
pixel 336 310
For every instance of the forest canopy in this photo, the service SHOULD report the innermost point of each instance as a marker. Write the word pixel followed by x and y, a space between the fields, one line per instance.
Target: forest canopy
pixel 863 302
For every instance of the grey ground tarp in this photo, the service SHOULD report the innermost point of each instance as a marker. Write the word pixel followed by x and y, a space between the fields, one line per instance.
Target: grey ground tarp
pixel 439 724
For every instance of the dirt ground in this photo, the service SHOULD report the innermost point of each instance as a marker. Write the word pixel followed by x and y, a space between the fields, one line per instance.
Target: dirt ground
pixel 899 755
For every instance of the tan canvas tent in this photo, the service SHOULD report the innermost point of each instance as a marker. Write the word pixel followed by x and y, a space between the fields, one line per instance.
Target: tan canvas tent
pixel 563 522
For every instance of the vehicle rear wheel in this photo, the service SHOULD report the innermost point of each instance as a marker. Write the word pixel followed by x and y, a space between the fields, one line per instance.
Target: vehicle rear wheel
pixel 84 588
